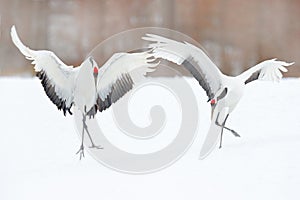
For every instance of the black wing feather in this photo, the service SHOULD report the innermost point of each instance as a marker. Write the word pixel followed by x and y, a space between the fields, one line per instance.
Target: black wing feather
pixel 50 91
pixel 190 64
pixel 253 77
pixel 119 89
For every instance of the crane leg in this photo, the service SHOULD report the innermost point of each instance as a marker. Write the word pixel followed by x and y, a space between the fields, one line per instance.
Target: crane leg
pixel 81 149
pixel 93 144
pixel 224 127
pixel 85 128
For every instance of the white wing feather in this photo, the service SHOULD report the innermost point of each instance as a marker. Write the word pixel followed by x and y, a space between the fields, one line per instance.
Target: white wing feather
pixel 206 72
pixel 270 70
pixel 120 64
pixel 60 76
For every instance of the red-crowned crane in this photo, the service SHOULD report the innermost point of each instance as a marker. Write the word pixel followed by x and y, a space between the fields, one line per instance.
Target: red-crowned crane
pixel 87 87
pixel 224 92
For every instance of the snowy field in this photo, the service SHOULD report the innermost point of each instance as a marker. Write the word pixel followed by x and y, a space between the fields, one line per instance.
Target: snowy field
pixel 38 146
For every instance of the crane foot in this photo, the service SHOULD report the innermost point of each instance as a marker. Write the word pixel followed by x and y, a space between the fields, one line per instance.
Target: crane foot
pixel 96 146
pixel 81 152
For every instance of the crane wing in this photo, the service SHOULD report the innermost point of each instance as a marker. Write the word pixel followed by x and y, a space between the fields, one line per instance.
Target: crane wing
pixel 117 76
pixel 57 78
pixel 191 57
pixel 266 70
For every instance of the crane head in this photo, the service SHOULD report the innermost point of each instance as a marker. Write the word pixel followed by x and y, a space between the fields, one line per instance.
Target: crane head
pixel 93 65
pixel 213 102
pixel 95 70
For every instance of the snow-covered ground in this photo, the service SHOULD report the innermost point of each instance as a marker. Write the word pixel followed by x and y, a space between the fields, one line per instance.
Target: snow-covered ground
pixel 38 146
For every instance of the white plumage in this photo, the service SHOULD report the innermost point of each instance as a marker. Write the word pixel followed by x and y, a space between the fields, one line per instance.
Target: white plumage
pixel 224 92
pixel 87 87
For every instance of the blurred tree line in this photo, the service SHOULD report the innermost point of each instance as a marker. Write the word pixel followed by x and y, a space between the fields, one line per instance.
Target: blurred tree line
pixel 236 33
